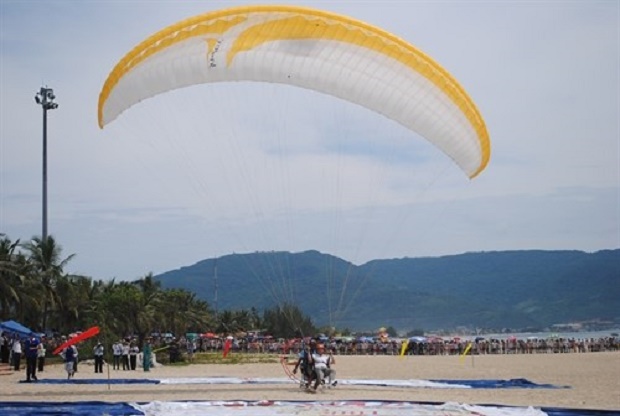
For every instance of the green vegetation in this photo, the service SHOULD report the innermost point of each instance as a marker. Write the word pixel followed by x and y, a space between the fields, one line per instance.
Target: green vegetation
pixel 290 294
pixel 36 291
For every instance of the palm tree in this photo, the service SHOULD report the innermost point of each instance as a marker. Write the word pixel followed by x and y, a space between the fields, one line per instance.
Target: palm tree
pixel 72 311
pixel 226 322
pixel 17 292
pixel 256 321
pixel 10 278
pixel 144 316
pixel 93 310
pixel 287 321
pixel 109 305
pixel 179 311
pixel 45 257
pixel 243 319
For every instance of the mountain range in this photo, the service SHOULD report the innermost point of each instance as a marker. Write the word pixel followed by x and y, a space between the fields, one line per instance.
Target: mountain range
pixel 504 289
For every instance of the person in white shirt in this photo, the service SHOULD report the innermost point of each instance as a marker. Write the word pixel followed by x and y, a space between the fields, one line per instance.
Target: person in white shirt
pixel 133 355
pixel 98 351
pixel 41 352
pixel 69 355
pixel 16 352
pixel 76 359
pixel 125 356
pixel 322 367
pixel 117 351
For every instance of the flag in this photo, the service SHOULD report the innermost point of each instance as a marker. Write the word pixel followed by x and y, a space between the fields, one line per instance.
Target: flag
pixel 91 332
pixel 404 347
pixel 466 351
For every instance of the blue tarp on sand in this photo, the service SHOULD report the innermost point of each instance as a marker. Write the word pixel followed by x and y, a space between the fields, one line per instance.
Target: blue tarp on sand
pixel 514 383
pixel 67 409
pixel 518 383
pixel 272 408
pixel 95 381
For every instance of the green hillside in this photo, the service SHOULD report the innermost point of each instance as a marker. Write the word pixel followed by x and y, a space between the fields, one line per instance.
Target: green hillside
pixel 512 289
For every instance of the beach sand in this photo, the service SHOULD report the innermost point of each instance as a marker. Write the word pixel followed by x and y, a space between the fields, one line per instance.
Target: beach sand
pixel 593 380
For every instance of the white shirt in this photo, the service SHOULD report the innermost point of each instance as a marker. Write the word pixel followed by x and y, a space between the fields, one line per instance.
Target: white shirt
pixel 98 350
pixel 320 361
pixel 41 350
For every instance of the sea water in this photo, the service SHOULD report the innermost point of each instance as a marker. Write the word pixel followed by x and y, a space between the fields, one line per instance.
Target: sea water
pixel 545 335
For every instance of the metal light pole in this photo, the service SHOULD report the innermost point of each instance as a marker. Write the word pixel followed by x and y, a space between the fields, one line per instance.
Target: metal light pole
pixel 215 278
pixel 45 97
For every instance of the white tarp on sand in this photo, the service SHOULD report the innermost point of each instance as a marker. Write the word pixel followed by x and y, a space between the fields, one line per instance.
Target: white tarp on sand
pixel 272 408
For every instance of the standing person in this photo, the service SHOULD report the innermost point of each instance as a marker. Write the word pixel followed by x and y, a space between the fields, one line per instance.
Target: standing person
pixel 117 350
pixel 305 366
pixel 4 349
pixel 68 355
pixel 16 352
pixel 41 352
pixel 98 351
pixel 32 345
pixel 173 351
pixel 133 354
pixel 125 355
pixel 190 349
pixel 146 355
pixel 75 358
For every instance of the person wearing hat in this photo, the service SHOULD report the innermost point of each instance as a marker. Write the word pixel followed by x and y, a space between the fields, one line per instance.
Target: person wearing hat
pixel 32 345
pixel 304 364
pixel 68 355
pixel 98 351
pixel 322 367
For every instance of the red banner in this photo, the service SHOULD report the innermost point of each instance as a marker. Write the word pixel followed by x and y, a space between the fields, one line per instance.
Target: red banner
pixel 83 336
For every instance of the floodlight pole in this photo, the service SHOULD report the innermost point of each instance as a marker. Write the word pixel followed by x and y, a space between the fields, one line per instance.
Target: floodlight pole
pixel 45 97
pixel 215 291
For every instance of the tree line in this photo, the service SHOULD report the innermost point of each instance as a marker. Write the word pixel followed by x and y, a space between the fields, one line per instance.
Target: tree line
pixel 36 291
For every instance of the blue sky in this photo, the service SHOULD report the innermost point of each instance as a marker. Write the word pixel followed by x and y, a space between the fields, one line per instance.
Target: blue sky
pixel 155 191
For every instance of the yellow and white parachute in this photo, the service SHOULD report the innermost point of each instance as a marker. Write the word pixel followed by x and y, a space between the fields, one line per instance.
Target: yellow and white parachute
pixel 308 48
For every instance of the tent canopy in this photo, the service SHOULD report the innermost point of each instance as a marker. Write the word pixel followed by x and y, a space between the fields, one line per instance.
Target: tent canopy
pixel 16 328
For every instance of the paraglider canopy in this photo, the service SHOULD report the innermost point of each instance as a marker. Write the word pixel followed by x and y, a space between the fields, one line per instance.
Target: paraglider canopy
pixel 312 49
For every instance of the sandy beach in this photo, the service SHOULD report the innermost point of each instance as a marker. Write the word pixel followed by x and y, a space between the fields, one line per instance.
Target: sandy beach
pixel 593 380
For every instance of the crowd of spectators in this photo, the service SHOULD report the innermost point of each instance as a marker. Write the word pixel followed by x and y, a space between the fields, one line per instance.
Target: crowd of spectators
pixel 178 348
pixel 434 346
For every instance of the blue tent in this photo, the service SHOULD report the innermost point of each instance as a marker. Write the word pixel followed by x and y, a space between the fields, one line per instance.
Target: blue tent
pixel 16 328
